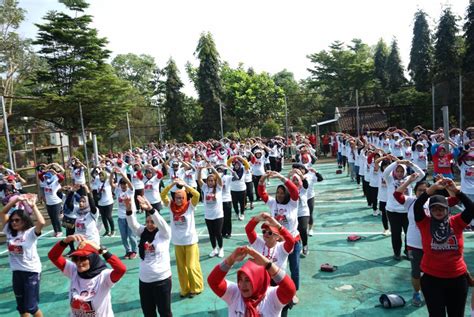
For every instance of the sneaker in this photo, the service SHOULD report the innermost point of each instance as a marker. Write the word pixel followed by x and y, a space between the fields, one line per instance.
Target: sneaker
pixel 111 234
pixel 397 257
pixel 127 256
pixel 58 234
pixel 417 301
pixel 106 234
pixel 295 300
pixel 221 253
pixel 310 232
pixel 133 255
pixel 375 213
pixel 305 251
pixel 213 253
pixel 243 217
pixel 387 233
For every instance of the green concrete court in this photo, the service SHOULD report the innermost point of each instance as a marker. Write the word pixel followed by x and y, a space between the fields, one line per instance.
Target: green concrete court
pixel 365 268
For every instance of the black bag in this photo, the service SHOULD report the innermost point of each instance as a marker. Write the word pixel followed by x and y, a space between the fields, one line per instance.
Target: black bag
pixel 68 223
pixel 326 267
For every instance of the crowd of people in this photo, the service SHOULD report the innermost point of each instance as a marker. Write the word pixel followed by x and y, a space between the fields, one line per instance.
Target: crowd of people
pixel 391 167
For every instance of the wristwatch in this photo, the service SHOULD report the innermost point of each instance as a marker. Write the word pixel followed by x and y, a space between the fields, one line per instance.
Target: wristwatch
pixel 103 250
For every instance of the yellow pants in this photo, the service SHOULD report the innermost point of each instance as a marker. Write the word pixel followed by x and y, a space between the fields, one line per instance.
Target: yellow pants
pixel 189 269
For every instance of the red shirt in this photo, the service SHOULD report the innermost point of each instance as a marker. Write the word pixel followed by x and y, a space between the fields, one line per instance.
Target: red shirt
pixel 443 260
pixel 442 165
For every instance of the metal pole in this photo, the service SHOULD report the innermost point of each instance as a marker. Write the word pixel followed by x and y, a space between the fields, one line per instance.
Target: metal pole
pixel 96 150
pixel 445 110
pixel 222 121
pixel 7 133
pixel 357 112
pixel 286 119
pixel 129 134
pixel 159 123
pixel 433 105
pixel 460 101
pixel 83 138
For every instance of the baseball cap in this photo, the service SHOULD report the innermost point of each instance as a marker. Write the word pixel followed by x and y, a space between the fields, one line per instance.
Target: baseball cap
pixel 438 200
pixel 84 249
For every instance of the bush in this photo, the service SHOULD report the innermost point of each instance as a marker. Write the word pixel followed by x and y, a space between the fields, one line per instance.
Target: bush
pixel 270 129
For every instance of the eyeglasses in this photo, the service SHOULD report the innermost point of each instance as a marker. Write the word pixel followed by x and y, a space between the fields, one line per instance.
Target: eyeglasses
pixel 76 258
pixel 270 233
pixel 15 220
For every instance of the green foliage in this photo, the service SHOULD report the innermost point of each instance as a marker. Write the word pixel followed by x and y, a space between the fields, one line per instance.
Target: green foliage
pixel 174 102
pixel 270 129
pixel 446 54
pixel 208 86
pixel 138 70
pixel 468 62
pixel 421 53
pixel 396 78
pixel 419 103
pixel 250 98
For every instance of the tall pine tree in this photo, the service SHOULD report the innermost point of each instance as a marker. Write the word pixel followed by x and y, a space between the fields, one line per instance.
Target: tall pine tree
pixel 468 63
pixel 380 71
pixel 446 56
pixel 174 102
pixel 421 53
pixel 209 86
pixel 396 78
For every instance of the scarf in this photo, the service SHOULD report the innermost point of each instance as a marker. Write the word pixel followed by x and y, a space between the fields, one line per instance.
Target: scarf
pixel 86 208
pixel 178 211
pixel 287 195
pixel 96 266
pixel 440 229
pixel 239 170
pixel 147 236
pixel 260 280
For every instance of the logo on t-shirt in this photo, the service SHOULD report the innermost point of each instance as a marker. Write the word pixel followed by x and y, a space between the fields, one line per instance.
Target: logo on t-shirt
pixel 469 172
pixel 149 249
pixel 450 245
pixel 280 216
pixel 82 308
pixel 15 249
pixel 179 220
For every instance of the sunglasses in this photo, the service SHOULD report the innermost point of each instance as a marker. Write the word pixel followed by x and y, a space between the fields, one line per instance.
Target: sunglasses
pixel 76 258
pixel 15 220
pixel 270 233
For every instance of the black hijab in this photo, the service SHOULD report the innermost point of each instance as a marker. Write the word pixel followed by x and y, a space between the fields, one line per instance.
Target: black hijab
pixel 147 236
pixel 287 195
pixel 96 266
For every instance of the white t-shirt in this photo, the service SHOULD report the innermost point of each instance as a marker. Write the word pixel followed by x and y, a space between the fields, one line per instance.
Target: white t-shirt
pixel 258 166
pixel 156 263
pixel 152 189
pixel 51 191
pixel 78 175
pixel 270 306
pixel 178 174
pixel 238 185
pixel 382 193
pixel 212 202
pixel 248 175
pixel 420 159
pixel 105 190
pixel 121 196
pixel 467 179
pixel 89 297
pixel 277 254
pixel 312 179
pixel 413 233
pixel 226 181
pixel 286 215
pixel 183 228
pixel 393 184
pixel 87 226
pixel 136 181
pixel 22 251
pixel 303 208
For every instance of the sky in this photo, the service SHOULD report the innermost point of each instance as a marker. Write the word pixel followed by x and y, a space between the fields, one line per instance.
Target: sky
pixel 265 35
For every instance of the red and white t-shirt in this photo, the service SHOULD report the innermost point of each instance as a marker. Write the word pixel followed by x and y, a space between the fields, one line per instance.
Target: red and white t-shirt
pixel 286 215
pixel 121 196
pixel 183 228
pixel 89 297
pixel 152 189
pixel 22 251
pixel 277 254
pixel 212 201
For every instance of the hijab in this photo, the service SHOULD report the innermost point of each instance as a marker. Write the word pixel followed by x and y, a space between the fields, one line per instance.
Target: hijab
pixel 260 280
pixel 96 266
pixel 287 195
pixel 440 229
pixel 146 237
pixel 238 169
pixel 87 207
pixel 178 211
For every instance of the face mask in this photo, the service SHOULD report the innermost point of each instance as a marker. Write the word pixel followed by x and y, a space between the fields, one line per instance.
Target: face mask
pixel 469 162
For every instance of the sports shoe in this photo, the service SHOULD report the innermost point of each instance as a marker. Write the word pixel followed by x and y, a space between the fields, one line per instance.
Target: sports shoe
pixel 221 253
pixel 387 233
pixel 375 213
pixel 417 301
pixel 397 257
pixel 133 255
pixel 213 253
pixel 58 234
pixel 106 234
pixel 310 232
pixel 295 300
pixel 127 256
pixel 305 251
pixel 111 234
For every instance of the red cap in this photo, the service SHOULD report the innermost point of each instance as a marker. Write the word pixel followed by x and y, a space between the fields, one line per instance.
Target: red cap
pixel 271 228
pixel 10 177
pixel 119 161
pixel 84 249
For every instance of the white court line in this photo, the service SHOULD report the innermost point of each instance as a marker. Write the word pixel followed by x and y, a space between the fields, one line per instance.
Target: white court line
pixel 41 236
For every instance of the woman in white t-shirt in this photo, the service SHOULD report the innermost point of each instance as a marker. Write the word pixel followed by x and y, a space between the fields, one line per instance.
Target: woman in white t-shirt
pixel 213 211
pixel 226 200
pixel 78 172
pixel 252 295
pixel 91 280
pixel 152 181
pixel 54 204
pixel 238 187
pixel 123 192
pixel 105 201
pixel 155 267
pixel 22 237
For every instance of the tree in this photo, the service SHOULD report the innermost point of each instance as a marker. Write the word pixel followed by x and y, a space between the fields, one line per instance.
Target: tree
pixel 174 104
pixel 421 53
pixel 77 72
pixel 468 66
pixel 380 63
pixel 208 86
pixel 250 99
pixel 18 61
pixel 137 69
pixel 446 56
pixel 396 78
